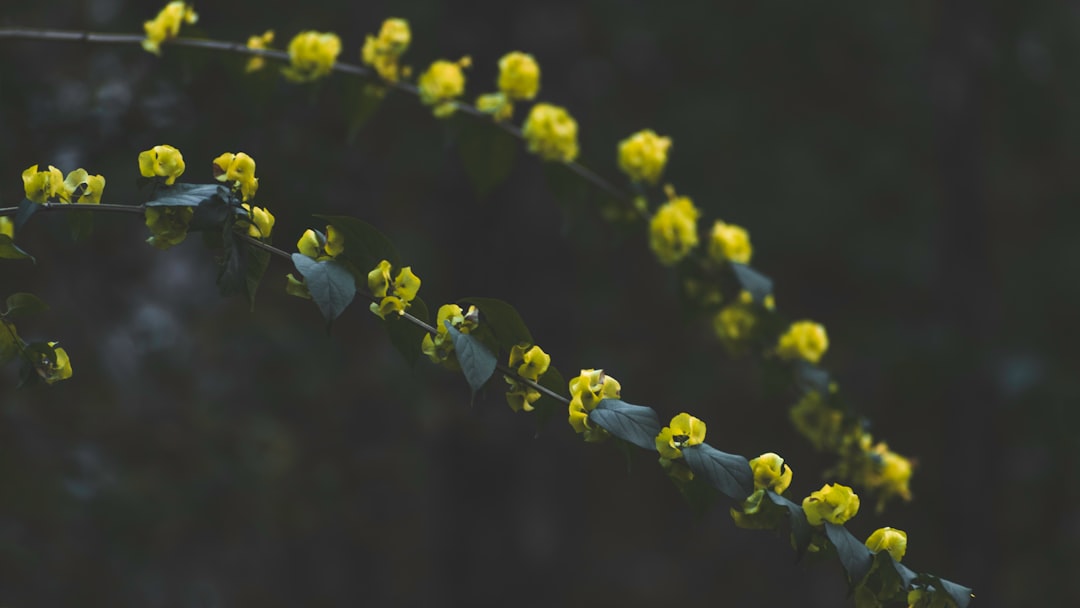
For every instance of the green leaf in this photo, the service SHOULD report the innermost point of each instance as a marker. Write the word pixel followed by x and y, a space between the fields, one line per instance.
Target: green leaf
pixel 488 154
pixel 636 424
pixel 9 342
pixel 800 528
pixel 959 593
pixel 753 281
pixel 22 304
pixel 477 362
pixel 853 554
pixel 405 336
pixel 728 473
pixel 233 266
pixel 546 406
pixel 187 195
pixel 330 283
pixel 571 192
pixel 211 214
pixel 907 575
pixel 365 246
pixel 10 251
pixel 27 208
pixel 362 100
pixel 81 224
pixel 258 261
pixel 698 494
pixel 34 352
pixel 809 377
pixel 504 321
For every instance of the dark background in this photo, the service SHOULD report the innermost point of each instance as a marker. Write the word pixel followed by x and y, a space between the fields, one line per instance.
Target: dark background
pixel 907 172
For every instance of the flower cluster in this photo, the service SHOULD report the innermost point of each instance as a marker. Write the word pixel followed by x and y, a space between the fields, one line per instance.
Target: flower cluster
pixel 239 171
pixel 770 474
pixel 397 295
pixel 551 133
pixel 440 349
pixel 312 55
pixel 815 420
pixel 319 247
pixel 51 186
pixel 587 390
pixel 441 84
pixel 259 222
pixel 643 156
pixel 833 503
pixel 735 325
pixel 168 225
pixel 729 242
pixel 888 539
pixel 259 43
pixel 166 25
pixel 530 362
pixel 384 52
pixel 519 80
pixel 673 229
pixel 804 340
pixel 162 161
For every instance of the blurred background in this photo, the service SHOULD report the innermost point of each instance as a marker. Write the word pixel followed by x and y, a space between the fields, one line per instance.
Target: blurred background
pixel 907 173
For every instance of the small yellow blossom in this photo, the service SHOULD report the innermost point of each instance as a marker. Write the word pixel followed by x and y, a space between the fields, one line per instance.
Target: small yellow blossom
pixel 495 104
pixel 168 225
pixel 587 390
pixel 166 25
pixel 551 133
pixel 818 422
pixel 397 295
pixel 43 186
pixel 262 221
pixel 643 156
pixel 440 349
pixel 530 362
pixel 771 473
pixel 55 369
pixel 833 503
pixel 312 55
pixel 729 242
pixel 259 43
pixel 441 84
pixel 384 52
pixel 888 539
pixel 683 432
pixel 162 161
pixel 81 187
pixel 519 76
pixel 239 170
pixel 318 246
pixel 676 469
pixel 803 340
pixel 7 227
pixel 296 287
pixel 734 325
pixel 673 229
pixel 888 474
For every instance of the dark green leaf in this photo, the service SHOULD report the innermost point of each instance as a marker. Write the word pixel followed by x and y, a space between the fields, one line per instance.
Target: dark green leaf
pixel 405 336
pixel 258 261
pixel 210 215
pixel 504 321
pixel 233 266
pixel 546 406
pixel 361 99
pixel 753 281
pixel 810 377
pixel 698 494
pixel 365 246
pixel 959 593
pixel 33 354
pixel 187 195
pixel 488 154
pixel 22 304
pixel 10 251
pixel 27 208
pixel 728 473
pixel 907 575
pixel 81 224
pixel 330 283
pixel 477 362
pixel 634 423
pixel 853 554
pixel 800 528
pixel 569 190
pixel 9 342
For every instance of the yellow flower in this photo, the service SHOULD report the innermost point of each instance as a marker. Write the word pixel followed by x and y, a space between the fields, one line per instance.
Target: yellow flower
pixel 440 349
pixel 771 473
pixel 803 340
pixel 683 432
pixel 383 52
pixel 734 325
pixel 495 104
pixel 318 246
pixel 43 186
pixel 888 539
pixel 81 187
pixel 166 25
pixel 889 474
pixel 551 133
pixel 730 242
pixel 396 296
pixel 262 221
pixel 586 390
pixel 56 369
pixel 312 55
pixel 260 43
pixel 818 422
pixel 530 362
pixel 676 469
pixel 833 503
pixel 7 227
pixel 441 84
pixel 296 287
pixel 335 242
pixel 673 230
pixel 168 225
pixel 162 161
pixel 643 156
pixel 519 76
pixel 239 169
